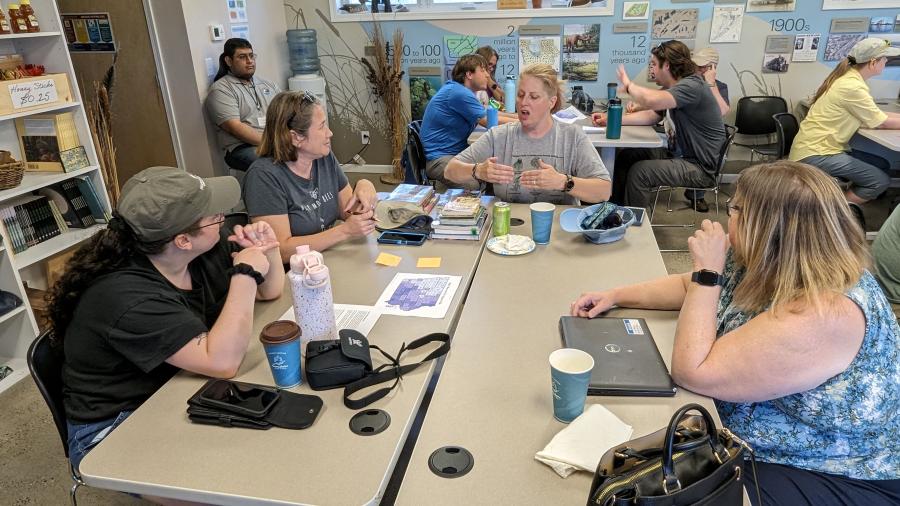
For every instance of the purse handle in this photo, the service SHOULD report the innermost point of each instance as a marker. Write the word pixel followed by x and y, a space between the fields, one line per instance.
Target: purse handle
pixel 393 371
pixel 671 484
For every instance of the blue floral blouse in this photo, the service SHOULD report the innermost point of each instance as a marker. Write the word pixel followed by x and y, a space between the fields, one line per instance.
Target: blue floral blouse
pixel 848 425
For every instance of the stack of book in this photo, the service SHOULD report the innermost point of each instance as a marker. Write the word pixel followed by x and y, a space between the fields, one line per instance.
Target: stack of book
pixel 463 217
pixel 421 197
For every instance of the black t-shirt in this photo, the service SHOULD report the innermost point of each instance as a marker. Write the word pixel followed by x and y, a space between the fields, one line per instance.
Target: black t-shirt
pixel 125 327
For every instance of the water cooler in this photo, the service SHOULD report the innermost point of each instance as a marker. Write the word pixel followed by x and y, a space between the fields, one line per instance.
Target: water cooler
pixel 305 64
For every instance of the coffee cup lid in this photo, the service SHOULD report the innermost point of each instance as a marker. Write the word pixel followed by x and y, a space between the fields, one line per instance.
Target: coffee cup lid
pixel 280 331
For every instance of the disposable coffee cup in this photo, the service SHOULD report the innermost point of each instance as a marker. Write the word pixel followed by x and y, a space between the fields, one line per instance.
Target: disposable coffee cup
pixel 281 342
pixel 570 373
pixel 541 221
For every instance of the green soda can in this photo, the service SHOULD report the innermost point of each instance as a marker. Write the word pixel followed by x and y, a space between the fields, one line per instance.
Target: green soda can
pixel 500 225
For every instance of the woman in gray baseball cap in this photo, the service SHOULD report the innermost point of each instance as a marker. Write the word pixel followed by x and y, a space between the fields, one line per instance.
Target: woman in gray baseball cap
pixel 155 292
pixel 840 107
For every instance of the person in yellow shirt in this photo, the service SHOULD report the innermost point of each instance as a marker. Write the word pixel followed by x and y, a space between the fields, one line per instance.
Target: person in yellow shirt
pixel 840 107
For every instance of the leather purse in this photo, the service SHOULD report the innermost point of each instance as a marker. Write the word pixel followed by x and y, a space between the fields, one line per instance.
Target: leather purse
pixel 689 462
pixel 347 362
pixel 289 410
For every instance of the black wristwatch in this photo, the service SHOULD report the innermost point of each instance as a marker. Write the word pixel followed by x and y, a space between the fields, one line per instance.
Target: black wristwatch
pixel 706 277
pixel 247 270
pixel 570 183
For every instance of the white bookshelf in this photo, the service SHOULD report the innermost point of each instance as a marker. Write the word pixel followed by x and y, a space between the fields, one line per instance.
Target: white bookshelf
pixel 18 328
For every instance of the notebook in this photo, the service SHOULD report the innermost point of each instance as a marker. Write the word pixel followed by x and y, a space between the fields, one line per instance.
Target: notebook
pixel 626 359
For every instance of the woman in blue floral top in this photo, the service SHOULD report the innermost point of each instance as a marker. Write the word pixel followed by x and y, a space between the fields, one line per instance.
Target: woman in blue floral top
pixel 797 343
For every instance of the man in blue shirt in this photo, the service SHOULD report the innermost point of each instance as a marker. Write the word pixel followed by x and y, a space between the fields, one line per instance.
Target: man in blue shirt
pixel 452 113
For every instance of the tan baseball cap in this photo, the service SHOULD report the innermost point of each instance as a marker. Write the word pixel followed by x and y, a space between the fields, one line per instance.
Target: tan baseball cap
pixel 705 56
pixel 872 48
pixel 161 202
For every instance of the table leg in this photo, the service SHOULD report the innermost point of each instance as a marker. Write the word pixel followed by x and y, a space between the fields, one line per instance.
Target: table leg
pixel 608 156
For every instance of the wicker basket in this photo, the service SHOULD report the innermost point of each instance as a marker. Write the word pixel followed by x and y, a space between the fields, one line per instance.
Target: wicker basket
pixel 11 171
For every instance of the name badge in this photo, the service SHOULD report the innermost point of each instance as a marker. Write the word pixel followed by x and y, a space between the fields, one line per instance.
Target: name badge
pixel 261 121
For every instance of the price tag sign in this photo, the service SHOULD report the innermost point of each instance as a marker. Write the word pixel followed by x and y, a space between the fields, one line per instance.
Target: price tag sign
pixel 33 93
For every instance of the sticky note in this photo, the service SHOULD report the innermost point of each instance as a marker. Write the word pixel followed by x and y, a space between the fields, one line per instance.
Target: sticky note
pixel 428 262
pixel 388 259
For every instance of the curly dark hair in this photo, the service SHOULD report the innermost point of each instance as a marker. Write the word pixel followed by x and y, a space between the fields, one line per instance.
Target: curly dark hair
pixel 107 251
pixel 679 57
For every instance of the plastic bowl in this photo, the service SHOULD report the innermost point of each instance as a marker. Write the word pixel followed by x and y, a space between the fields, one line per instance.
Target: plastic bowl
pixel 570 221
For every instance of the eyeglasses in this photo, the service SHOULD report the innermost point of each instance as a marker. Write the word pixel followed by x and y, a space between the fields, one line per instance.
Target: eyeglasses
pixel 219 219
pixel 246 56
pixel 729 207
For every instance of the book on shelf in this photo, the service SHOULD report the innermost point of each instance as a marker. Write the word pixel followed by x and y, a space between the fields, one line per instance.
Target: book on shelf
pixel 71 203
pixel 43 136
pixel 29 220
pixel 86 186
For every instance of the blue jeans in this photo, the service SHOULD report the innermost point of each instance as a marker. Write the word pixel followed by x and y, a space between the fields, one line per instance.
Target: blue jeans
pixel 84 437
pixel 860 168
pixel 241 157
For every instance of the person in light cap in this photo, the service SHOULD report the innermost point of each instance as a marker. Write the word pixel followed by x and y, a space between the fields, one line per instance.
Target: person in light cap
pixel 158 290
pixel 841 106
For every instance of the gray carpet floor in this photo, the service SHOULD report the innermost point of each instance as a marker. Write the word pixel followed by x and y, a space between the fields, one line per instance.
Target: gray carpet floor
pixel 33 469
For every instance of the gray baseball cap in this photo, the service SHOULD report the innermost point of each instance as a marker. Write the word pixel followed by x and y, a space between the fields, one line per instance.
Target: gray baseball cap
pixel 161 202
pixel 871 48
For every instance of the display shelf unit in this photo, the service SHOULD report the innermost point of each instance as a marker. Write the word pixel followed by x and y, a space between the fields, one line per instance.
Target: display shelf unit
pixel 18 328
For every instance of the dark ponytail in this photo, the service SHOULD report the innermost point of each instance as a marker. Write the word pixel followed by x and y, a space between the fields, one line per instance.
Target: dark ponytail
pixel 107 251
pixel 230 46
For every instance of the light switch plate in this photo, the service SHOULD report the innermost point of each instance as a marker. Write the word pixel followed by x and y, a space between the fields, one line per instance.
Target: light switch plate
pixel 216 32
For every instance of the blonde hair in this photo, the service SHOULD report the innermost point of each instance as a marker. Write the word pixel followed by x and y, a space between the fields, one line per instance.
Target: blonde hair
pixel 547 76
pixel 289 110
pixel 796 237
pixel 842 68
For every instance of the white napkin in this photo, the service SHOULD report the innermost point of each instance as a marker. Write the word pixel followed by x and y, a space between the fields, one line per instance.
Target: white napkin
pixel 580 445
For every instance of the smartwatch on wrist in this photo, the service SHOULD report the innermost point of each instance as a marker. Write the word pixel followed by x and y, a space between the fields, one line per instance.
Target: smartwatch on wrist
pixel 247 270
pixel 705 277
pixel 570 183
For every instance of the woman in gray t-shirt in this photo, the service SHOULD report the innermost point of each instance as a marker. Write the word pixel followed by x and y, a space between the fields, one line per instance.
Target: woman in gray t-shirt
pixel 297 185
pixel 537 159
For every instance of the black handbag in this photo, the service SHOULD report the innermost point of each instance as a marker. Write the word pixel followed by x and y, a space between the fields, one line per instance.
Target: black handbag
pixel 289 410
pixel 689 462
pixel 347 362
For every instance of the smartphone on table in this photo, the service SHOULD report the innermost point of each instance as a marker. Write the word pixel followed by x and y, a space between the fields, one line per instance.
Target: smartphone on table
pixel 638 215
pixel 402 238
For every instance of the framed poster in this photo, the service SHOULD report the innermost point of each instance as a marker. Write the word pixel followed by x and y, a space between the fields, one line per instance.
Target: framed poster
pixel 89 32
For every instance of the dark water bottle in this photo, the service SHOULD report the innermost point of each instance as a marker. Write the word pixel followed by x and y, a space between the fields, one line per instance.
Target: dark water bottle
pixel 614 119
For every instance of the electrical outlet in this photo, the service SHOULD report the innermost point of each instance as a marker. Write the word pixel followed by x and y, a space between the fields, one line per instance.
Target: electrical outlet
pixel 364 137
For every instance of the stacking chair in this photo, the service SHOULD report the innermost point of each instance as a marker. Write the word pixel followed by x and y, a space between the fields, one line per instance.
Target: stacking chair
pixel 754 117
pixel 720 164
pixel 415 153
pixel 46 366
pixel 786 128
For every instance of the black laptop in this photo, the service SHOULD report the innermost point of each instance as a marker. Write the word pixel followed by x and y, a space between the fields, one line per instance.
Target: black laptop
pixel 626 359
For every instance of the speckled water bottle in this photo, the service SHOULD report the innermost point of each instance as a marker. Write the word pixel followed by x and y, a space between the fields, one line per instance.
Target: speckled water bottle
pixel 311 290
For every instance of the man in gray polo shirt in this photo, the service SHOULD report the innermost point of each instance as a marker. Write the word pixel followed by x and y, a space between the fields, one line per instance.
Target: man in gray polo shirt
pixel 237 103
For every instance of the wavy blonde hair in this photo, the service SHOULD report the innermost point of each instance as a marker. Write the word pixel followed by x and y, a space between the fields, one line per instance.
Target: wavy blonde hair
pixel 547 76
pixel 289 110
pixel 797 238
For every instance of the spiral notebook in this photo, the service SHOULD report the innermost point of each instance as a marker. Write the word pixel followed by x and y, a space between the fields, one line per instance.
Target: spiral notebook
pixel 626 359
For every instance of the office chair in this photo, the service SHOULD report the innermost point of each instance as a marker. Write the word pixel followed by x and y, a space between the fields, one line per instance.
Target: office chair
pixel 730 132
pixel 45 364
pixel 786 128
pixel 754 117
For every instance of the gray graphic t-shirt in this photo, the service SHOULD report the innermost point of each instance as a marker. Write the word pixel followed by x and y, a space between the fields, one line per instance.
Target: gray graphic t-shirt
pixel 565 147
pixel 312 205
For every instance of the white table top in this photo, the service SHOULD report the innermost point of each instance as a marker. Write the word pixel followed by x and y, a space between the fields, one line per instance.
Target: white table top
pixel 493 397
pixel 887 138
pixel 158 451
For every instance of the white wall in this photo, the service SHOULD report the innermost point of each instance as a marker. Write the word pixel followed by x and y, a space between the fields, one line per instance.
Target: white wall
pixel 182 42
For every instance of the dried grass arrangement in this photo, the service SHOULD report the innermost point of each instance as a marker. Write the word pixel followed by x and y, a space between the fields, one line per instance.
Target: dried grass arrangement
pixel 100 120
pixel 386 76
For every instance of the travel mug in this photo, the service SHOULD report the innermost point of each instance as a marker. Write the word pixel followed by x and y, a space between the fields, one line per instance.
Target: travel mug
pixel 614 119
pixel 493 117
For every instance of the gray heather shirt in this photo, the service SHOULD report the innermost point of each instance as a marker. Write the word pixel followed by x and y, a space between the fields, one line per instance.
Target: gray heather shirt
pixel 231 98
pixel 312 205
pixel 699 130
pixel 565 147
